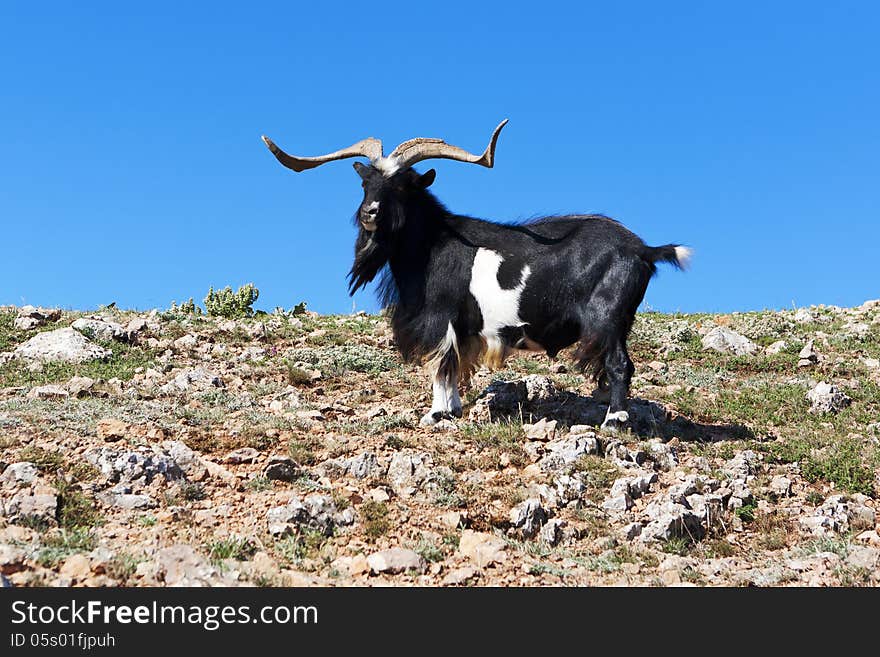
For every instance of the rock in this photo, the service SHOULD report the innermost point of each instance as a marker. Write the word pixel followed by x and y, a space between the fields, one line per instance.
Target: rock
pixel 242 455
pixel 569 488
pixel 396 560
pixel 808 355
pixel 863 557
pixel 870 537
pixel 662 454
pixel 253 354
pixel 137 467
pixel 528 517
pixel 192 378
pixel 60 345
pixel 359 565
pixel 552 533
pixel 186 342
pixel 565 451
pixel 827 398
pixel 668 519
pixel 96 327
pixel 218 472
pixel 505 399
pixel 181 565
pixel 458 576
pixel 136 328
pixel 77 567
pixel 25 323
pixel 408 471
pixel 80 386
pixel 377 495
pixel 840 514
pixel 29 317
pixel 631 531
pixel 631 487
pixel 444 426
pixel 40 506
pixel 131 501
pixel 618 503
pixel 362 466
pixel 315 511
pixel 19 474
pixel 804 316
pixel 481 548
pixel 780 486
pixel 725 340
pixel 741 466
pixel 111 429
pixel 777 347
pixel 188 460
pixel 264 566
pixel 11 559
pixel 50 391
pixel 820 525
pixel 281 468
pixel 543 429
pixel 859 330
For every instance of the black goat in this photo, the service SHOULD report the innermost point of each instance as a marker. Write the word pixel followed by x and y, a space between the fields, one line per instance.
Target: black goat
pixel 464 291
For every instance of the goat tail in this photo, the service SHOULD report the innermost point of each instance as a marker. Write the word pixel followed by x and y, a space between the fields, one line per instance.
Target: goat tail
pixel 674 254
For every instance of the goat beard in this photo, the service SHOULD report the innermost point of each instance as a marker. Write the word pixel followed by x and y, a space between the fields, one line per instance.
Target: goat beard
pixel 370 256
pixel 372 249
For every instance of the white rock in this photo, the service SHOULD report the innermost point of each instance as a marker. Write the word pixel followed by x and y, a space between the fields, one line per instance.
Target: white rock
pixel 775 348
pixel 19 474
pixel 459 576
pixel 827 398
pixel 396 560
pixel 61 345
pixel 565 451
pixel 725 340
pixel 50 391
pixel 528 517
pixel 481 548
pixel 99 328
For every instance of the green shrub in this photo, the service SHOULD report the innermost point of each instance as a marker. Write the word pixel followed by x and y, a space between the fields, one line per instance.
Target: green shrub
pixel 186 308
pixel 226 303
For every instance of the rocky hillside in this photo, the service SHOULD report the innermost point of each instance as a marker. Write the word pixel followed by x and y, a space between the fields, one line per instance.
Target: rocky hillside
pixel 173 449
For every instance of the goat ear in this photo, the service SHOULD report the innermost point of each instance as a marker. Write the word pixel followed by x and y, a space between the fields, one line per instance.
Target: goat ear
pixel 427 178
pixel 362 170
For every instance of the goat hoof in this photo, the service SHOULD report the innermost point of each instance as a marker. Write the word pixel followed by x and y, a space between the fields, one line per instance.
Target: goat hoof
pixel 615 422
pixel 431 418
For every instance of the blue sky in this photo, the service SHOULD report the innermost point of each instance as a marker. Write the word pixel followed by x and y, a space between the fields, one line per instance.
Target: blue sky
pixel 132 169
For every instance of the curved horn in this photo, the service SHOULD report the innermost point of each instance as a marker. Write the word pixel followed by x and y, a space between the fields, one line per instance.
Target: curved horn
pixel 416 150
pixel 370 147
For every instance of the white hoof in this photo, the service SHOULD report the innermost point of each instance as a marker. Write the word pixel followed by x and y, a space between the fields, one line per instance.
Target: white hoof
pixel 615 421
pixel 430 418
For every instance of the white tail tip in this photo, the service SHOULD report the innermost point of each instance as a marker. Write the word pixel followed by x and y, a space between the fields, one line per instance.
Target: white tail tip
pixel 683 254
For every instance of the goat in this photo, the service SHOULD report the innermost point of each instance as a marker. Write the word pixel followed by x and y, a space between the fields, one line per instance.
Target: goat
pixel 463 291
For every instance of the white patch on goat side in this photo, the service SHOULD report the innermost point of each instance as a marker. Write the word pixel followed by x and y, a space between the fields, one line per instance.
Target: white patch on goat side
pixel 683 254
pixel 499 307
pixel 373 206
pixel 388 166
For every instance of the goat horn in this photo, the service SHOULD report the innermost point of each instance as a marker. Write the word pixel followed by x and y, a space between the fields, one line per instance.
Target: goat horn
pixel 416 150
pixel 370 147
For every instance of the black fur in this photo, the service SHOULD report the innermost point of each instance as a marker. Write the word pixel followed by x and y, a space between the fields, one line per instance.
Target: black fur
pixel 588 275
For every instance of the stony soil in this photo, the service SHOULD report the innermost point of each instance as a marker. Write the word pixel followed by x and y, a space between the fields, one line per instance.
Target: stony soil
pixel 150 449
